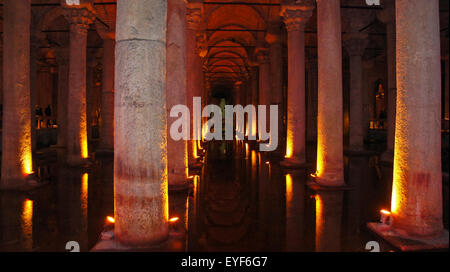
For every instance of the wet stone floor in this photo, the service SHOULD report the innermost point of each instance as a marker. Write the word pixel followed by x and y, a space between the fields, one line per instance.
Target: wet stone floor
pixel 240 201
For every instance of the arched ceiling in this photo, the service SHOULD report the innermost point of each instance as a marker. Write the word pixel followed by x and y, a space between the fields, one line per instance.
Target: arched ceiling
pixel 232 32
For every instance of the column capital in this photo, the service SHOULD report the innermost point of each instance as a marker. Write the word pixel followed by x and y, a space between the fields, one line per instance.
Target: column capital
pixel 355 43
pixel 295 16
pixel 194 13
pixel 80 16
pixel 201 46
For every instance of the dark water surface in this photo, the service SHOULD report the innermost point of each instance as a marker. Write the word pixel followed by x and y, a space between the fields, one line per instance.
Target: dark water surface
pixel 240 201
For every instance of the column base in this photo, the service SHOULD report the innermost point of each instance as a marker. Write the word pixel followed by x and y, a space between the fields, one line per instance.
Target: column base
pixel 175 242
pixel 319 184
pixel 28 183
pixel 404 243
pixel 293 163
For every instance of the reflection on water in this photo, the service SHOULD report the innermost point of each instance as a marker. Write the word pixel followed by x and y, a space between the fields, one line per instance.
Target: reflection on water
pixel 26 224
pixel 240 201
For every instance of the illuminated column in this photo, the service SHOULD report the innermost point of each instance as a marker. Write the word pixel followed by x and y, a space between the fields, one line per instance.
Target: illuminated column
pixel 140 145
pixel 107 130
pixel 417 187
pixel 262 54
pixel 77 143
pixel 16 132
pixel 62 60
pixel 355 44
pixel 254 98
pixel 273 38
pixel 330 158
pixel 176 90
pixel 194 64
pixel 295 18
pixel 387 16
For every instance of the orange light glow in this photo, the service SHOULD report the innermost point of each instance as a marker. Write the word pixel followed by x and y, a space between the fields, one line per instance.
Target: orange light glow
pixel 254 159
pixel 84 194
pixel 110 219
pixel 319 220
pixel 395 198
pixel 194 149
pixel 289 144
pixel 267 162
pixel 27 223
pixel 27 162
pixel 288 190
pixel 84 145
pixel 320 156
pixel 246 149
pixel 174 219
pixel 385 212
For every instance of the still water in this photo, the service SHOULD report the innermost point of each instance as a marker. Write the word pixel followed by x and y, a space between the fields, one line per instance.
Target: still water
pixel 240 201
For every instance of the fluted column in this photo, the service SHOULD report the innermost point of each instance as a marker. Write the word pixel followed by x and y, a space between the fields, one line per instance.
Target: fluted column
pixel 417 188
pixel 387 16
pixel 330 158
pixel 77 142
pixel 355 44
pixel 107 111
pixel 194 64
pixel 140 144
pixel 295 17
pixel 16 131
pixel 176 90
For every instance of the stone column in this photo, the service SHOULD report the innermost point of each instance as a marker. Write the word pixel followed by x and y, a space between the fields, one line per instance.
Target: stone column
pixel 387 16
pixel 62 59
pixel 107 111
pixel 140 144
pixel 193 63
pixel 77 142
pixel 91 64
pixel 311 120
pixel 417 188
pixel 176 90
pixel 295 17
pixel 1 68
pixel 264 81
pixel 273 38
pixel 253 129
pixel 355 44
pixel 34 55
pixel 330 158
pixel 16 131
